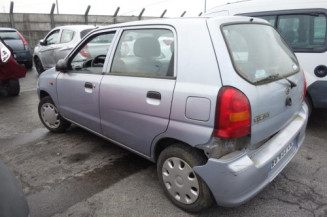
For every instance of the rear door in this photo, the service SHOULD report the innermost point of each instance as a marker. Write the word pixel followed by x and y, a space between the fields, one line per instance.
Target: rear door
pixel 259 63
pixel 136 95
pixel 79 88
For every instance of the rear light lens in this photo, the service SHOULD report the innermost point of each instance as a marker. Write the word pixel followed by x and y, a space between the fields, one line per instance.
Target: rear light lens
pixel 305 85
pixel 233 114
pixel 85 52
pixel 23 40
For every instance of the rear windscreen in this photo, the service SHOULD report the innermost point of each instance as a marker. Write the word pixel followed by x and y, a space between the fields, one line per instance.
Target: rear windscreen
pixel 259 53
pixel 9 35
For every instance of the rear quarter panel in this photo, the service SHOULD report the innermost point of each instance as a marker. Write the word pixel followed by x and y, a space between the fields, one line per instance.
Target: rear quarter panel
pixel 198 77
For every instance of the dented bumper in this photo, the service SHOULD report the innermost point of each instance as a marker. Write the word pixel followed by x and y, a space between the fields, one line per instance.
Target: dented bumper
pixel 235 180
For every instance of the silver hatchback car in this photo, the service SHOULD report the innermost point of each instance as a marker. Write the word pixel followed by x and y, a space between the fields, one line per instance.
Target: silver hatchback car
pixel 57 44
pixel 217 103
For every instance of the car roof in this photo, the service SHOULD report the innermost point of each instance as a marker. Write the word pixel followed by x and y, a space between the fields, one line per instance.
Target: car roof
pixel 176 21
pixel 245 6
pixel 7 29
pixel 76 27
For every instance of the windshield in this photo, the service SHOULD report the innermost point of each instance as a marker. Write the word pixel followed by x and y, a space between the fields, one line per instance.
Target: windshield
pixel 258 52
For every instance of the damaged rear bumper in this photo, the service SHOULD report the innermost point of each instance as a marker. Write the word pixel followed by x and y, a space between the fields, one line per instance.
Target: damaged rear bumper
pixel 235 180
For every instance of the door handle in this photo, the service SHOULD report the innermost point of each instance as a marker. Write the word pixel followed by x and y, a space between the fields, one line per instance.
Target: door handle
pixel 88 85
pixel 153 95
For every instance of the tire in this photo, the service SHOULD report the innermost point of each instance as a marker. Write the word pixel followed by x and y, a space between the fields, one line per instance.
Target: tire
pixel 29 64
pixel 13 87
pixel 309 103
pixel 180 183
pixel 50 116
pixel 38 65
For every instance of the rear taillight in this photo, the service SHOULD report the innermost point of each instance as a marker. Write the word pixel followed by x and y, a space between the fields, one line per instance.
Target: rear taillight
pixel 305 86
pixel 23 40
pixel 233 114
pixel 85 52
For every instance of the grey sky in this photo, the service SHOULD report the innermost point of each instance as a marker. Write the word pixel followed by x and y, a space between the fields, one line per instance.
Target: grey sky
pixel 107 7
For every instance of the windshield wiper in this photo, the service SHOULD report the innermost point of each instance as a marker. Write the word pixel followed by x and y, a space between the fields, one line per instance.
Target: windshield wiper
pixel 274 77
pixel 266 79
pixel 292 83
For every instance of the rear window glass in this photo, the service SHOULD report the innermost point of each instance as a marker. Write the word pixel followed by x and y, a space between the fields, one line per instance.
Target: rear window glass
pixel 259 54
pixel 9 35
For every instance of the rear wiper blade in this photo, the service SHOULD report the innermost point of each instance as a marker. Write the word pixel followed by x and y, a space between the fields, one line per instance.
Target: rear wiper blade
pixel 273 77
pixel 266 79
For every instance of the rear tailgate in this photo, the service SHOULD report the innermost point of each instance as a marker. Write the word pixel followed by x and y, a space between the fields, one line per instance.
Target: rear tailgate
pixel 266 71
pixel 271 109
pixel 15 44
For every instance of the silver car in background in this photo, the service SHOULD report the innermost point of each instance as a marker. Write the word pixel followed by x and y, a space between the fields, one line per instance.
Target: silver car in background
pixel 57 44
pixel 221 116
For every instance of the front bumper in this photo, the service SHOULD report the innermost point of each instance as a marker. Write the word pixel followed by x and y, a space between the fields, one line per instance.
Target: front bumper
pixel 236 180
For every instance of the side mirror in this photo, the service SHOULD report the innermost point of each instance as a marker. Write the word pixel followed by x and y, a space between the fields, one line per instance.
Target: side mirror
pixel 61 66
pixel 42 42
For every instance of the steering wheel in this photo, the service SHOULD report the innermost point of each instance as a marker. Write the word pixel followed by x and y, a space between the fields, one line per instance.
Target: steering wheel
pixel 98 61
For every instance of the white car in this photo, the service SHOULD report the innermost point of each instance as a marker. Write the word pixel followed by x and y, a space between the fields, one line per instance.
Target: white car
pixel 57 44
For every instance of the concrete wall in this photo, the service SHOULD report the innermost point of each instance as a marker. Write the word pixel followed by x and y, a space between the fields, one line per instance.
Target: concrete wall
pixel 35 26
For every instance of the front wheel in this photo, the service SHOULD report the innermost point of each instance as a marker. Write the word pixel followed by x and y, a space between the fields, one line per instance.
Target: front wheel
pixel 50 116
pixel 178 179
pixel 38 65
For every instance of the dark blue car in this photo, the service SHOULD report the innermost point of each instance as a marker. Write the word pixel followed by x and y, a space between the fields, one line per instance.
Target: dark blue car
pixel 19 46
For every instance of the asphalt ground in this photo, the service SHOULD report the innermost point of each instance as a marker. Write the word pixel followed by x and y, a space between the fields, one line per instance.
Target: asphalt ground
pixel 78 174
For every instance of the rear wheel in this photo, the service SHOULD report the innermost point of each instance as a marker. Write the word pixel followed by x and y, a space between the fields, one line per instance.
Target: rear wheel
pixel 50 116
pixel 13 87
pixel 38 65
pixel 178 179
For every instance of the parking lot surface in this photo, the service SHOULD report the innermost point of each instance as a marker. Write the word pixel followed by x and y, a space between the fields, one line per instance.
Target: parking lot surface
pixel 79 174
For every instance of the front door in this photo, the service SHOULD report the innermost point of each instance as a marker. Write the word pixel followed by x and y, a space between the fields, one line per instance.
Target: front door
pixel 47 50
pixel 79 88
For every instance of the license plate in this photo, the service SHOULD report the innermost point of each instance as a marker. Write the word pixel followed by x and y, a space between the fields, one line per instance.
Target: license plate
pixel 281 155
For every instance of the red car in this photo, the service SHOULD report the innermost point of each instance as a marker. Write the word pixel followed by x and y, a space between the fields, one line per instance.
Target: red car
pixel 10 72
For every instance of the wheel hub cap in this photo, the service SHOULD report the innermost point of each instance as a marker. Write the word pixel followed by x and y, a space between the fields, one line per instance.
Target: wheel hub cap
pixel 180 180
pixel 50 115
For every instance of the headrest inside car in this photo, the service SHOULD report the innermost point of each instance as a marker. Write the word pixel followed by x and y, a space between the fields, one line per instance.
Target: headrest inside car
pixel 147 47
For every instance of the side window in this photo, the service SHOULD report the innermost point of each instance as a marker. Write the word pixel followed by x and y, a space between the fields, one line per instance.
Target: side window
pixel 145 52
pixel 67 35
pixel 319 30
pixel 270 19
pixel 52 38
pixel 303 31
pixel 288 27
pixel 90 57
